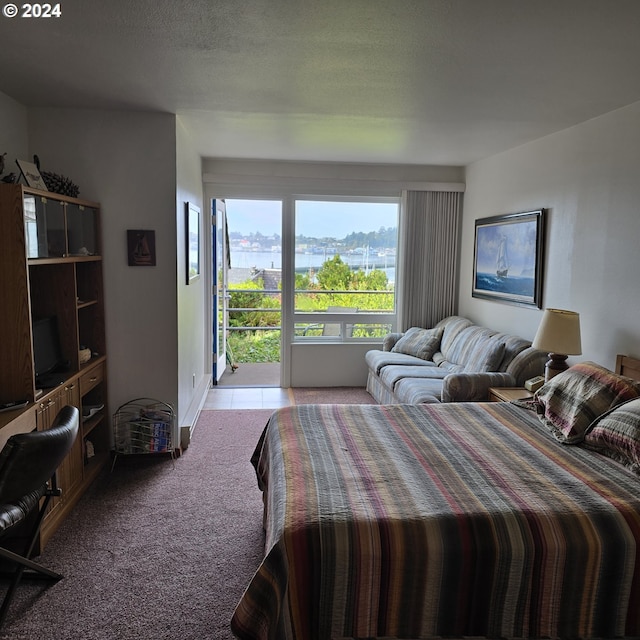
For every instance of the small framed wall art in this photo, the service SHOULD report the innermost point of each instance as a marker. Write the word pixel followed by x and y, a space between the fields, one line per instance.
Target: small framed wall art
pixel 192 244
pixel 508 258
pixel 141 247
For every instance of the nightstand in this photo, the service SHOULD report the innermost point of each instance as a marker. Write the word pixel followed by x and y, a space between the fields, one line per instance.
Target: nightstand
pixel 507 394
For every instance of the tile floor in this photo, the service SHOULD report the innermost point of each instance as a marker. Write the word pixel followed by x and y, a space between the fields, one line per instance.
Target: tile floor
pixel 248 398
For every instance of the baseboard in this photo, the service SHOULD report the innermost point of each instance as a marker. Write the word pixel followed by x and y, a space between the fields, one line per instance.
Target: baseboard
pixel 188 424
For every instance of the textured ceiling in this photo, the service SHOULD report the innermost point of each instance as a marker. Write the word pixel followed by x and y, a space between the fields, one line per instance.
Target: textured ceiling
pixel 399 81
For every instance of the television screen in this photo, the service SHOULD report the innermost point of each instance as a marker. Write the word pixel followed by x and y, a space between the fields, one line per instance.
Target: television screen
pixel 47 354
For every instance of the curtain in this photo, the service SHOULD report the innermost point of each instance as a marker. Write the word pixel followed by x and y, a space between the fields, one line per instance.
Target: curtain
pixel 429 245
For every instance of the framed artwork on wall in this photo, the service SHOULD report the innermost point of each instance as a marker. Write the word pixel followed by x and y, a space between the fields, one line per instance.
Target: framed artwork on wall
pixel 192 234
pixel 508 258
pixel 141 247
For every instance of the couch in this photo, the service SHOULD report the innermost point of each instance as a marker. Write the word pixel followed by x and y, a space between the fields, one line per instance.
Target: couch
pixel 455 361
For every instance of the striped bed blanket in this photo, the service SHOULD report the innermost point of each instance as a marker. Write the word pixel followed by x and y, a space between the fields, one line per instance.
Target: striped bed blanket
pixel 420 521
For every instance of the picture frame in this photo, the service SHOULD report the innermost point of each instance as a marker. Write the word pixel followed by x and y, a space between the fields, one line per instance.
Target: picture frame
pixel 31 175
pixel 141 247
pixel 192 241
pixel 508 259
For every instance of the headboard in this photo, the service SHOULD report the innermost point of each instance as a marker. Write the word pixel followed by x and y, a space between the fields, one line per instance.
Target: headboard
pixel 628 366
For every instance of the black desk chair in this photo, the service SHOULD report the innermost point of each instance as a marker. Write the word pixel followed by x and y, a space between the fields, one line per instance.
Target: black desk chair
pixel 28 464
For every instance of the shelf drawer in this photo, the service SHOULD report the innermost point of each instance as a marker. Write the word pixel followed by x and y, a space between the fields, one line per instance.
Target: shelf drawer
pixel 91 378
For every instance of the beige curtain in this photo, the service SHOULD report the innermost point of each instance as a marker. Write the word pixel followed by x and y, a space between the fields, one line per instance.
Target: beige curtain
pixel 429 245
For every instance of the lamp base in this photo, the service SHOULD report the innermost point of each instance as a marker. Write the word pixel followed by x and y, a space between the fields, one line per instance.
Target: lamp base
pixel 557 363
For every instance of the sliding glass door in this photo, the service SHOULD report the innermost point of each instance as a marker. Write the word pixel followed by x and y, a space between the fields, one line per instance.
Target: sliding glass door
pixel 303 273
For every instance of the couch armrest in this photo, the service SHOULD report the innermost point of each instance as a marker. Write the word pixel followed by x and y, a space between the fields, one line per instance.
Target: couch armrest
pixel 473 387
pixel 527 364
pixel 390 339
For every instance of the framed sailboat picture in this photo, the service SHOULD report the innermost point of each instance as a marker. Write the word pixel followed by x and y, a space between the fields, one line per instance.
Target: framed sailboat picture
pixel 508 258
pixel 141 247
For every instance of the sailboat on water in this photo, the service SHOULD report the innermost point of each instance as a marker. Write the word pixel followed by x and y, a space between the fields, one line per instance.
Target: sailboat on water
pixel 502 261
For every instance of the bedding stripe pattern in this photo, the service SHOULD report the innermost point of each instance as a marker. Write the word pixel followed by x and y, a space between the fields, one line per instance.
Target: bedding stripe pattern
pixel 479 523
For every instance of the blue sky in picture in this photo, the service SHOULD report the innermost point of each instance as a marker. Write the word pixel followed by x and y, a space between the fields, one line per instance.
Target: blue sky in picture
pixel 520 247
pixel 317 219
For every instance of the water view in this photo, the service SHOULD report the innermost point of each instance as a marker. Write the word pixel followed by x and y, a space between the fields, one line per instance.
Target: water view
pixel 313 260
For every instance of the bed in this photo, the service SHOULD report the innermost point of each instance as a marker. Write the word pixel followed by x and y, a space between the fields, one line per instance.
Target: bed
pixel 516 520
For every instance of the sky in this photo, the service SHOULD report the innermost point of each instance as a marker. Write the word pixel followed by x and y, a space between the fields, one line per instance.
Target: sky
pixel 313 219
pixel 520 242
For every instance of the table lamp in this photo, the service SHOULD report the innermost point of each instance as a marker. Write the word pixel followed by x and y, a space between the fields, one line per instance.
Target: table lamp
pixel 559 335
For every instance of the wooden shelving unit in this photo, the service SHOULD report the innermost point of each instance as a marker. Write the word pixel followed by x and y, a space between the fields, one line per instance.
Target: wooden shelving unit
pixel 51 267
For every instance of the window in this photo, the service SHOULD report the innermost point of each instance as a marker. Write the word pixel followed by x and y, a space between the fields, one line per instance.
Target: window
pixel 345 268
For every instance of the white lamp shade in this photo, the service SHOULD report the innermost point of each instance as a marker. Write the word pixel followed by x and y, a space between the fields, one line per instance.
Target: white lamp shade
pixel 559 332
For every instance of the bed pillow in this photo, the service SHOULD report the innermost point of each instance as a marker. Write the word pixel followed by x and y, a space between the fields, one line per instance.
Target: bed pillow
pixel 573 399
pixel 421 343
pixel 617 434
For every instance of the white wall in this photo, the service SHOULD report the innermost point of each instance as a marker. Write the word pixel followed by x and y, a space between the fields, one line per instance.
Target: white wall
pixel 13 117
pixel 127 162
pixel 141 167
pixel 194 373
pixel 588 178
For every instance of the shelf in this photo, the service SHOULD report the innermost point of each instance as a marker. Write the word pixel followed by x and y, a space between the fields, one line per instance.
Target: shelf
pixel 90 363
pixel 82 304
pixel 92 423
pixel 52 271
pixel 63 260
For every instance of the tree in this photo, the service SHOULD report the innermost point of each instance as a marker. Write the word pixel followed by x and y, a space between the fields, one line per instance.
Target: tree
pixel 303 281
pixel 334 275
pixel 377 280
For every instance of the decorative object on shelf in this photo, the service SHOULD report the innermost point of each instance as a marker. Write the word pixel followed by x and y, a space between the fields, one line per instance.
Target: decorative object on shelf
pixel 559 334
pixel 57 183
pixel 60 184
pixel 141 247
pixel 10 177
pixel 508 258
pixel 31 175
pixel 192 241
pixel 84 356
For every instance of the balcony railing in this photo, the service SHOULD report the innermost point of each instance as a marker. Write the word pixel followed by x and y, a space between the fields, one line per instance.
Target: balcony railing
pixel 339 317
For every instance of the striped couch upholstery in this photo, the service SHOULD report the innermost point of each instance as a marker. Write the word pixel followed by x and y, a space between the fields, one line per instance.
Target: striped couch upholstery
pixel 469 360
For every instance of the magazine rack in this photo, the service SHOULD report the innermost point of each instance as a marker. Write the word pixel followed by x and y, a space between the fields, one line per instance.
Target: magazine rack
pixel 143 426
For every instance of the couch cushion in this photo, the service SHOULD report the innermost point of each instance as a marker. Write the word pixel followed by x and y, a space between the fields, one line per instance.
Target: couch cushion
pixel 450 367
pixel 421 343
pixel 465 343
pixel 391 374
pixel 486 355
pixel 418 391
pixel 376 359
pixel 452 326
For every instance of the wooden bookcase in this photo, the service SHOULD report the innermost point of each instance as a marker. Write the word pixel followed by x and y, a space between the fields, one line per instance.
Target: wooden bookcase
pixel 51 267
